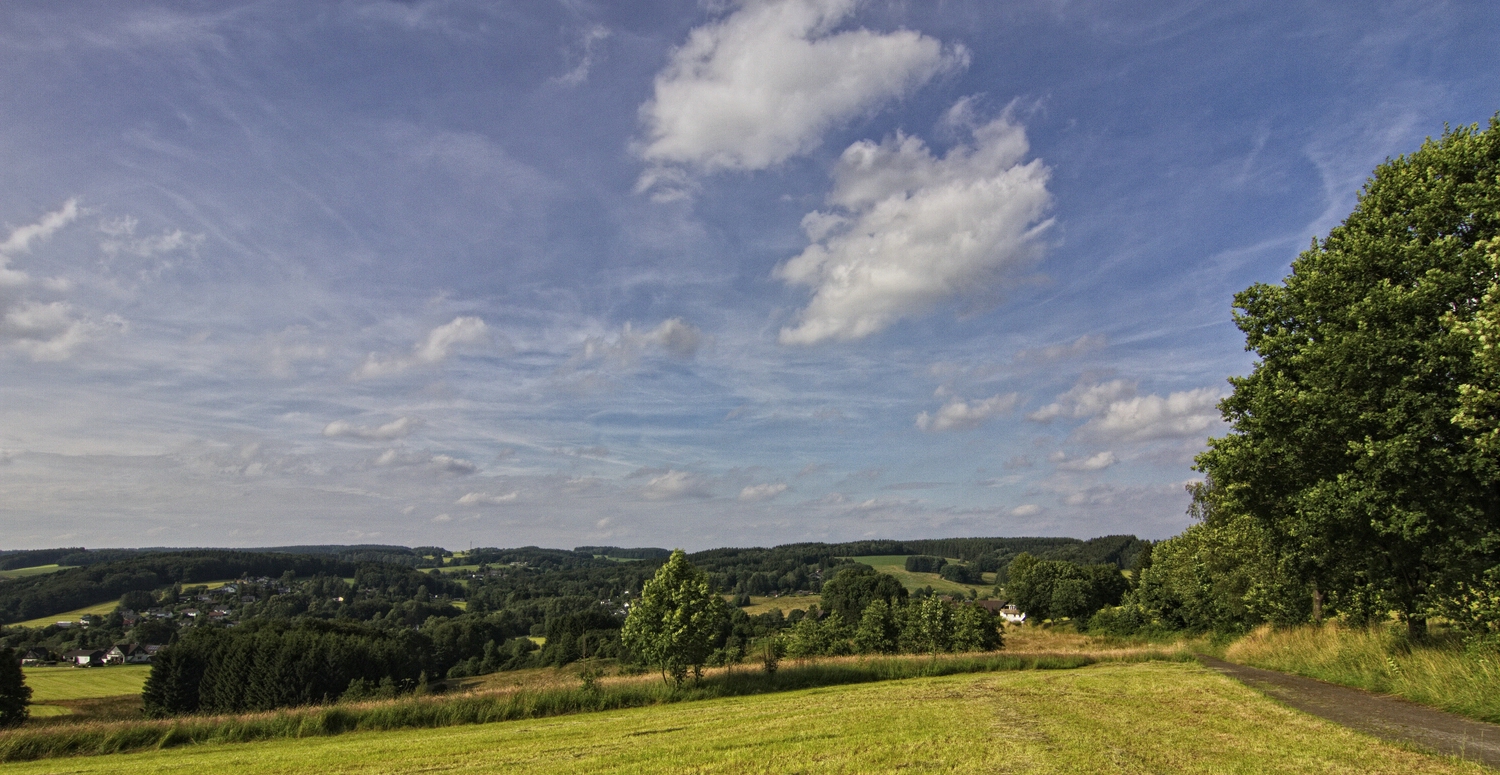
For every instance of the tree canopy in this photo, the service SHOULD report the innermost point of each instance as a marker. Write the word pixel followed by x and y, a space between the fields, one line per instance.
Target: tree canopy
pixel 1355 444
pixel 673 624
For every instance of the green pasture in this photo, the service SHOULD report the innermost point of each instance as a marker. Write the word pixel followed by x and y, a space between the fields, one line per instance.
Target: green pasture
pixel 35 570
pixel 80 683
pixel 1131 717
pixel 895 565
pixel 787 603
pixel 102 609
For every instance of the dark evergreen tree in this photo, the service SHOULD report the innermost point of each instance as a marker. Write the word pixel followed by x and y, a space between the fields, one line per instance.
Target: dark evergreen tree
pixel 15 695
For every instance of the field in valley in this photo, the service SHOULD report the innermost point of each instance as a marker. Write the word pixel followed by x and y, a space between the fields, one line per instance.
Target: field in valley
pixel 79 683
pixel 1109 717
pixel 102 609
pixel 895 565
pixel 35 570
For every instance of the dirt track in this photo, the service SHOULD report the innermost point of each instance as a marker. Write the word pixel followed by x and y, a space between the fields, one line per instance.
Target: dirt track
pixel 1384 717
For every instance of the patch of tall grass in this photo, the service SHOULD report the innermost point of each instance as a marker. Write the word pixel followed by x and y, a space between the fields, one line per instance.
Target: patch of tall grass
pixel 1441 672
pixel 523 703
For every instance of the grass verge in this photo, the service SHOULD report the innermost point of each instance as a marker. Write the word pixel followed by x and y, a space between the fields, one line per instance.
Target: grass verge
pixel 432 712
pixel 1440 674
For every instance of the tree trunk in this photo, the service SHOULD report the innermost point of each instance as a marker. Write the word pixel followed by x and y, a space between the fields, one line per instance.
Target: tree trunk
pixel 1416 628
pixel 1317 601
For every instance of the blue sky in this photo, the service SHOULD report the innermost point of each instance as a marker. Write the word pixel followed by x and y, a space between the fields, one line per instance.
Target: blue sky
pixel 673 274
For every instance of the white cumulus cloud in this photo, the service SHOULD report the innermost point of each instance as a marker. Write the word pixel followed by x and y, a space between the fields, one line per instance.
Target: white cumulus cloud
pixel 20 238
pixel 762 492
pixel 439 344
pixel 1115 412
pixel 395 429
pixel 1026 510
pixel 1097 462
pixel 764 83
pixel 1084 400
pixel 958 414
pixel 1184 413
pixel 907 231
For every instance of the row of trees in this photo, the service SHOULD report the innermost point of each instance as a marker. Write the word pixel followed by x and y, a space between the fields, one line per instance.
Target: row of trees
pixel 677 623
pixel 220 670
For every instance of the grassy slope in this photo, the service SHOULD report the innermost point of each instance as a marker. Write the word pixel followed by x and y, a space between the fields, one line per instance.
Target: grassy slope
pixel 895 565
pixel 72 683
pixel 102 609
pixel 1151 717
pixel 1378 659
pixel 35 570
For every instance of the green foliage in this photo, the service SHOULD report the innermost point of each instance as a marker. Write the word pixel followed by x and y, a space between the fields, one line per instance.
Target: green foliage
pixel 879 630
pixel 854 587
pixel 922 563
pixel 672 625
pixel 1352 442
pixel 975 629
pixel 15 695
pixel 1057 589
pixel 227 670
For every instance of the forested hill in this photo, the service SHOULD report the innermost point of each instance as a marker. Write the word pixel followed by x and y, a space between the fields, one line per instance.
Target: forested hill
pixel 65 590
pixel 106 574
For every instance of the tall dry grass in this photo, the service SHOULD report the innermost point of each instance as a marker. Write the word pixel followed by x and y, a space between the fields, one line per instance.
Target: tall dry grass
pixel 1440 673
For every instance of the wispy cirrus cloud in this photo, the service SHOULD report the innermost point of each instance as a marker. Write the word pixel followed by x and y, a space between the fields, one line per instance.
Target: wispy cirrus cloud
pixel 435 348
pixel 486 499
pixel 755 493
pixel 400 427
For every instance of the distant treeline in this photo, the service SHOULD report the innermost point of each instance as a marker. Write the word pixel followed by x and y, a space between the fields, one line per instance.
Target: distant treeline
pixel 65 590
pixel 640 553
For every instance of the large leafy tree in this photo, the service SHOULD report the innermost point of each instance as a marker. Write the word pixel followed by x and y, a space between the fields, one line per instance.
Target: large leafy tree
pixel 673 624
pixel 856 586
pixel 15 695
pixel 1344 443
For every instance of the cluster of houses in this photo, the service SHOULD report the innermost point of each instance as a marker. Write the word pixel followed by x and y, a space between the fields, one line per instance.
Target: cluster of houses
pixel 124 654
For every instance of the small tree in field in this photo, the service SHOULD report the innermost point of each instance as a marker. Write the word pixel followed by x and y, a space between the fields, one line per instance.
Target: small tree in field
pixel 15 695
pixel 673 624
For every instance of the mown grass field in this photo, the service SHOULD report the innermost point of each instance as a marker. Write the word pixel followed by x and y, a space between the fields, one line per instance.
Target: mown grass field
pixel 102 609
pixel 81 683
pixel 35 570
pixel 1141 717
pixel 895 565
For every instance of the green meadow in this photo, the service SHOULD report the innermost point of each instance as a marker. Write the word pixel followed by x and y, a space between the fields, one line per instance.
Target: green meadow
pixel 895 565
pixel 102 609
pixel 79 683
pixel 35 570
pixel 1110 717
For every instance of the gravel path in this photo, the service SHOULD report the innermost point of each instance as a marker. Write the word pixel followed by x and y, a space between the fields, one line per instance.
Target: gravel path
pixel 1384 717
